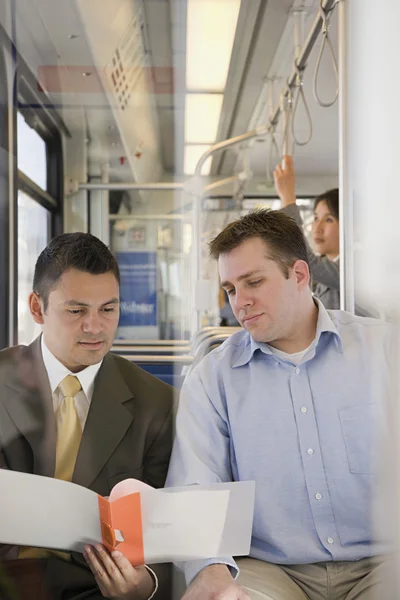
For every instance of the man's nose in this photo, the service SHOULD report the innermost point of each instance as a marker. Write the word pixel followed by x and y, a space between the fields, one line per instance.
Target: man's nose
pixel 92 323
pixel 243 299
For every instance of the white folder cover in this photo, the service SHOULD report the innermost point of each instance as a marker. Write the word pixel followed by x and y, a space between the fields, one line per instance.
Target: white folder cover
pixel 145 524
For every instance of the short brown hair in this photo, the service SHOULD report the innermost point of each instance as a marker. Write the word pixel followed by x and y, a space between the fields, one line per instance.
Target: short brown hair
pixel 284 237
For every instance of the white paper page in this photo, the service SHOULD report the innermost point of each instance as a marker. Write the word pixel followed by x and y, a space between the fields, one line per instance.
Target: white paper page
pixel 182 526
pixel 179 526
pixel 238 522
pixel 48 513
pixel 236 537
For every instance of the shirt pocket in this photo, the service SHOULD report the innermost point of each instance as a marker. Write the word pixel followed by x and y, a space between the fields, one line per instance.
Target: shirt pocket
pixel 357 426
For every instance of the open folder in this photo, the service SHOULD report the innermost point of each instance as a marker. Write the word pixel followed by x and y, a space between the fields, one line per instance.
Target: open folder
pixel 145 524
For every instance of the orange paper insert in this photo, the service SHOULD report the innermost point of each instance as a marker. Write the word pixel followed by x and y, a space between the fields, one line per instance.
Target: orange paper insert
pixel 125 515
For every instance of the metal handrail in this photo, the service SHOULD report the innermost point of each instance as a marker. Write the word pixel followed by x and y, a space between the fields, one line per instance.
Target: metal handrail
pixel 151 343
pixel 202 335
pixel 170 349
pixel 204 346
pixel 132 185
pixel 213 328
pixel 146 358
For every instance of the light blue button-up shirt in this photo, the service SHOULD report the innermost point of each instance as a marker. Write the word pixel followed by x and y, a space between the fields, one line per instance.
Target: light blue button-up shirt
pixel 307 436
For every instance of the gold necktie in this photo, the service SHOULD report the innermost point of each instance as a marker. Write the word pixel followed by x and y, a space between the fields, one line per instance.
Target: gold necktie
pixel 69 434
pixel 69 430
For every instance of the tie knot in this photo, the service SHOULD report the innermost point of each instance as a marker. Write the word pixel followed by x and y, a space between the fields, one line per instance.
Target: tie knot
pixel 70 386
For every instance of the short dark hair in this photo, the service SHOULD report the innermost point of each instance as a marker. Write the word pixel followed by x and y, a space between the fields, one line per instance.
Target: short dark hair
pixel 331 197
pixel 81 251
pixel 280 232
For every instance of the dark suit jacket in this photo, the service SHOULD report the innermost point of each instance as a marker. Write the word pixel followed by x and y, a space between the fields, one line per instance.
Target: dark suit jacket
pixel 128 433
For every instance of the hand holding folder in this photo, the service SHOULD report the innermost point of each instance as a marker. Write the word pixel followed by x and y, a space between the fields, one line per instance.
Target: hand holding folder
pixel 146 525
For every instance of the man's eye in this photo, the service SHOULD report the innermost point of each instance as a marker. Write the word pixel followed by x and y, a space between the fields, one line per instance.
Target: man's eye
pixel 74 311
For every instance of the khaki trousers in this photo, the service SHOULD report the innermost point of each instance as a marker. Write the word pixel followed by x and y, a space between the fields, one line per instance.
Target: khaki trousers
pixel 360 580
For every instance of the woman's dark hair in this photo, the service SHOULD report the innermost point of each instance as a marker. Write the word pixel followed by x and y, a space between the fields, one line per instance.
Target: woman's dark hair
pixel 331 197
pixel 81 251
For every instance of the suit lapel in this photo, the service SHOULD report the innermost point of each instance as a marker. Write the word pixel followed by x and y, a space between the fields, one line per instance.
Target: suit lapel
pixel 30 406
pixel 107 422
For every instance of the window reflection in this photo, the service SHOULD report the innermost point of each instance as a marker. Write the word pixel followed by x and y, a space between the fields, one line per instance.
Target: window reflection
pixel 32 159
pixel 33 236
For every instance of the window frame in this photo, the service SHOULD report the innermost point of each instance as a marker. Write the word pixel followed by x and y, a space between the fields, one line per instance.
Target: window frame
pixel 20 91
pixel 7 195
pixel 48 124
pixel 42 119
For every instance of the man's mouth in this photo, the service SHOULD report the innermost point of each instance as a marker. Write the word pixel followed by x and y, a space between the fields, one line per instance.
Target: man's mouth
pixel 92 345
pixel 248 320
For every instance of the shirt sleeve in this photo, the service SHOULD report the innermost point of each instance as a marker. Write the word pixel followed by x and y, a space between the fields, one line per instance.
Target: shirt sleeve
pixel 155 579
pixel 200 453
pixel 322 269
pixel 193 567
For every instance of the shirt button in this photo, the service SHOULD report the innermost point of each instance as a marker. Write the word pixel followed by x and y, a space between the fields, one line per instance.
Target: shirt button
pixel 303 410
pixel 330 540
pixel 310 451
pixel 297 371
pixel 319 497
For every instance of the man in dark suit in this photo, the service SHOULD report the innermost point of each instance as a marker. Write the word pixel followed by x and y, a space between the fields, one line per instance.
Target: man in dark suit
pixel 115 422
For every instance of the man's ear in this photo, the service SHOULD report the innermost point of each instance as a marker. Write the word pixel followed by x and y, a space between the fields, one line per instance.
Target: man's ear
pixel 302 273
pixel 36 308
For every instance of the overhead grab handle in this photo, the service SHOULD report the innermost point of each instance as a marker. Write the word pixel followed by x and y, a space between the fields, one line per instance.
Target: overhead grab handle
pixel 325 15
pixel 243 176
pixel 273 150
pixel 287 116
pixel 273 153
pixel 298 30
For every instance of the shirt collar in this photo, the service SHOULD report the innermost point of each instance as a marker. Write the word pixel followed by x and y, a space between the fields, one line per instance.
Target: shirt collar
pixel 324 325
pixel 56 371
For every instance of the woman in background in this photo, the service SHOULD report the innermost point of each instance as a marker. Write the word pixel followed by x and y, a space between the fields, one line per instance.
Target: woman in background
pixel 324 265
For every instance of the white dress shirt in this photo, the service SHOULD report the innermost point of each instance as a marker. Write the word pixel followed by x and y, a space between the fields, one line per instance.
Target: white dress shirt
pixel 56 372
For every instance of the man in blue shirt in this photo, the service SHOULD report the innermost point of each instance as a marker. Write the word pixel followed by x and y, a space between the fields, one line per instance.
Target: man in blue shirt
pixel 293 402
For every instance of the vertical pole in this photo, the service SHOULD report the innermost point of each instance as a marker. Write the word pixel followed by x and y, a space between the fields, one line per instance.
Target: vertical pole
pixel 345 196
pixel 196 262
pixel 13 183
pixel 285 125
pixel 7 196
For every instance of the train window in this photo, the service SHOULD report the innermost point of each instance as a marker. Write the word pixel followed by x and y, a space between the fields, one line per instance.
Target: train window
pixel 33 236
pixel 32 159
pixel 38 209
pixel 38 183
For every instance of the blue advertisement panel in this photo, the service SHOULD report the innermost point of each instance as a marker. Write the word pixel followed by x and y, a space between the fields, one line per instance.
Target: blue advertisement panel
pixel 138 288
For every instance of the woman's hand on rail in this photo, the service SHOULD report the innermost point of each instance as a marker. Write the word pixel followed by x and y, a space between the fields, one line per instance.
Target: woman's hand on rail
pixel 285 182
